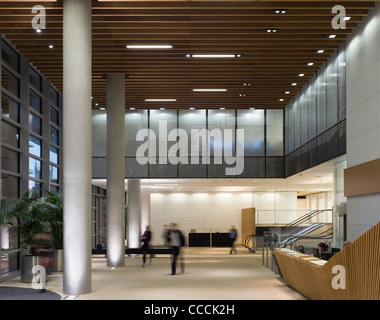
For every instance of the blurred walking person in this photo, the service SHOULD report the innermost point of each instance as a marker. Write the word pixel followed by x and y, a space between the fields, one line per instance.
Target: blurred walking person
pixel 176 239
pixel 146 237
pixel 233 236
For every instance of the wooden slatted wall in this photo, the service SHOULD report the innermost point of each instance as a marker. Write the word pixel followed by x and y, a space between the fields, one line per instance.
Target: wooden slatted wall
pixel 361 261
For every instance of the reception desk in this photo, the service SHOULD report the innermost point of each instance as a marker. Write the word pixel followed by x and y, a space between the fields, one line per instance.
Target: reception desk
pixel 209 239
pixel 351 274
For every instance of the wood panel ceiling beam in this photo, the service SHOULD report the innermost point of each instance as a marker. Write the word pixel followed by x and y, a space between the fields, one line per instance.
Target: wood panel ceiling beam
pixel 270 62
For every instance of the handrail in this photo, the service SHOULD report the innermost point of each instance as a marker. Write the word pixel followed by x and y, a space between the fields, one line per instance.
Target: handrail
pixel 275 213
pixel 306 216
pixel 303 218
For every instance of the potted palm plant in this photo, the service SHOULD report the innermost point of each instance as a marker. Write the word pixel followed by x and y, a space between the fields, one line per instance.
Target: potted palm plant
pixel 33 215
pixel 53 205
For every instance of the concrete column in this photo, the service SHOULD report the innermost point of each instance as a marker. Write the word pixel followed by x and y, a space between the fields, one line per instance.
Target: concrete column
pixel 134 226
pixel 145 208
pixel 339 205
pixel 115 170
pixel 77 146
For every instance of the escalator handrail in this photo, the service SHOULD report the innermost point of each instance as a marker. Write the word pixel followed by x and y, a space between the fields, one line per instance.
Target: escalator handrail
pixel 305 217
pixel 302 218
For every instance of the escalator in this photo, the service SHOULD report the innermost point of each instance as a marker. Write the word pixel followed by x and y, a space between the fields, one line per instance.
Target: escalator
pixel 304 228
pixel 299 229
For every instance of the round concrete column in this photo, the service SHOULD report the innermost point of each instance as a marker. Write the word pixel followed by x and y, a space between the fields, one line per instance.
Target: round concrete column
pixel 115 170
pixel 134 226
pixel 77 146
pixel 145 208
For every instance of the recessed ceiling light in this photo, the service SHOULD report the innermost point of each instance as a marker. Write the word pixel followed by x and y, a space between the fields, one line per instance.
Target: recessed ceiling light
pixel 38 30
pixel 346 18
pixel 210 90
pixel 162 108
pixel 280 11
pixel 320 51
pixel 51 46
pixel 213 55
pixel 287 92
pixel 96 104
pixel 272 30
pixel 293 84
pixel 280 100
pixel 131 108
pixel 241 94
pixel 192 108
pixel 222 108
pixel 301 74
pixel 252 108
pixel 247 84
pixel 331 36
pixel 160 100
pixel 149 46
pixel 310 63
pixel 102 108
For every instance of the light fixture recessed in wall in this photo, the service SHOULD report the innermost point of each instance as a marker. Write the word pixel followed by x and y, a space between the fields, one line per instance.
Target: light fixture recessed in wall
pixel 160 100
pixel 149 46
pixel 213 56
pixel 210 90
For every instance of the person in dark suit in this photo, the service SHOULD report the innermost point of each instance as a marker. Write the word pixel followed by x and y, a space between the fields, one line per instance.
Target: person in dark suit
pixel 323 254
pixel 146 237
pixel 176 239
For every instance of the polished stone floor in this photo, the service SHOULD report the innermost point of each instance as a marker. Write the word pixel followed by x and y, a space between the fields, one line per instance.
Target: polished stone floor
pixel 210 274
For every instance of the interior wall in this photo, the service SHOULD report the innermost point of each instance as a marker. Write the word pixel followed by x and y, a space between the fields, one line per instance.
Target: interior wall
pixel 320 201
pixel 363 116
pixel 215 211
pixel 301 206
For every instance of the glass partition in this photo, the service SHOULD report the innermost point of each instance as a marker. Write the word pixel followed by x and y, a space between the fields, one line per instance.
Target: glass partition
pixel 274 133
pixel 196 143
pixel 135 120
pixel 252 122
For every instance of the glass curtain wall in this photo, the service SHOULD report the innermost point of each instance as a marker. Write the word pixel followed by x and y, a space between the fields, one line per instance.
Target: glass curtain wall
pixel 10 152
pixel 30 140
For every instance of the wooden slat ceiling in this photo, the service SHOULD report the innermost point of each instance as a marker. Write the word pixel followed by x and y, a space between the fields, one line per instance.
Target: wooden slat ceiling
pixel 269 61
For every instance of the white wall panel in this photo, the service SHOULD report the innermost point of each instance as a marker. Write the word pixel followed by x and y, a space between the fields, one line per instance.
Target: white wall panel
pixel 215 211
